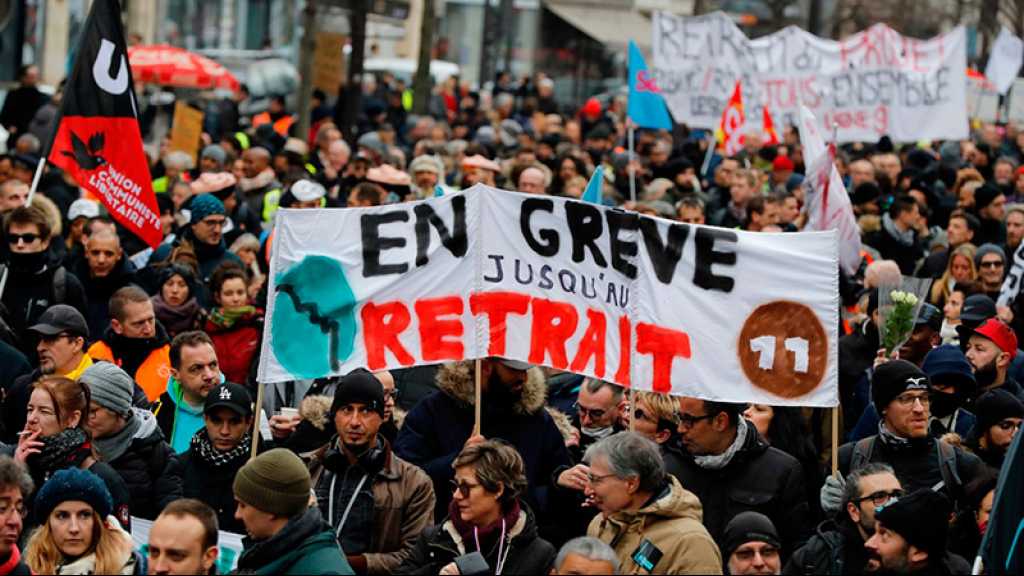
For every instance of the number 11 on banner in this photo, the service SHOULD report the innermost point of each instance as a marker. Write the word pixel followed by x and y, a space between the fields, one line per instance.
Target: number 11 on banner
pixel 764 346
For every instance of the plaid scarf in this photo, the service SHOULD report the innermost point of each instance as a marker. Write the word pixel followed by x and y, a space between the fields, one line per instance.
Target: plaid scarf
pixel 225 318
pixel 204 448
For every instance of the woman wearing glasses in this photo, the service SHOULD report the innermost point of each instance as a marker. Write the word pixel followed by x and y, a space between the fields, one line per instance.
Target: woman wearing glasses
pixel 55 438
pixel 486 516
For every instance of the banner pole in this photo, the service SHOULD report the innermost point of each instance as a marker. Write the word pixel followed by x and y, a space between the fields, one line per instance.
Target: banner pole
pixel 835 441
pixel 632 408
pixel 476 403
pixel 258 413
pixel 3 280
pixel 708 157
pixel 35 181
pixel 632 168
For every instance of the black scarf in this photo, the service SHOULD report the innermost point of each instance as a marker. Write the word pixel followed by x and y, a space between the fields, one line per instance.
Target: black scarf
pixel 132 352
pixel 67 449
pixel 202 446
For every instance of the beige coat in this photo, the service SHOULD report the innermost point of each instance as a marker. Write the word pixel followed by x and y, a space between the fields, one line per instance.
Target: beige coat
pixel 673 524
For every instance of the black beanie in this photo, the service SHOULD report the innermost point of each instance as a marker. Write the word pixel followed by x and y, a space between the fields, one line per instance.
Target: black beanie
pixel 995 406
pixel 361 387
pixel 747 527
pixel 922 518
pixel 894 378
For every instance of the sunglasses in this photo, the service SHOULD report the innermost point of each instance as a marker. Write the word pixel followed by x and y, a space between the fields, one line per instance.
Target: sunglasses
pixel 463 488
pixel 991 264
pixel 28 238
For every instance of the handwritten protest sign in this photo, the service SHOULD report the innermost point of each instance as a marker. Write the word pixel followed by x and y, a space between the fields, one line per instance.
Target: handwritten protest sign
pixel 872 83
pixel 186 129
pixel 636 300
pixel 328 61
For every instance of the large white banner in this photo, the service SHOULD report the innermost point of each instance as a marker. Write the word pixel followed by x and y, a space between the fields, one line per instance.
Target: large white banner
pixel 870 84
pixel 640 301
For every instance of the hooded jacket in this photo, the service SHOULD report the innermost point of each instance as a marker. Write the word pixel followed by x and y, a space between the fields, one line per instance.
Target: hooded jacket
pixel 439 545
pixel 178 420
pixel 835 549
pixel 30 291
pixel 672 523
pixel 758 478
pixel 403 502
pixel 435 431
pixel 306 545
pixel 149 468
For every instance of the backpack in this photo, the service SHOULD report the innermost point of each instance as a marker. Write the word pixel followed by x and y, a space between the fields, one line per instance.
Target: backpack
pixel 947 464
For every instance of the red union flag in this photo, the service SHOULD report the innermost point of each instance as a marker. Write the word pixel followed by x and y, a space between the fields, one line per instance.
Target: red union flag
pixel 730 129
pixel 98 140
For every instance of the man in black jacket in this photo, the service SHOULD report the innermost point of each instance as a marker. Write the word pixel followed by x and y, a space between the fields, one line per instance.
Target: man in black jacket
pixel 732 469
pixel 34 283
pixel 910 536
pixel 838 546
pixel 900 390
pixel 102 272
pixel 130 441
pixel 218 452
pixel 897 240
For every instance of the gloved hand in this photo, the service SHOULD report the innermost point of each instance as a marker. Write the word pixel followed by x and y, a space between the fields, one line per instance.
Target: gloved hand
pixel 832 494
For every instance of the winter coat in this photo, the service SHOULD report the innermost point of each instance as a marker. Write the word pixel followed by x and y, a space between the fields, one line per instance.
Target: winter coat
pixel 672 523
pixel 236 346
pixel 403 503
pixel 13 365
pixel 834 549
pixel 213 485
pixel 306 545
pixel 917 464
pixel 148 360
pixel 178 420
pixel 439 545
pixel 150 470
pixel 436 430
pixel 14 564
pixel 891 249
pixel 99 290
pixel 28 294
pixel 759 478
pixel 210 257
pixel 857 353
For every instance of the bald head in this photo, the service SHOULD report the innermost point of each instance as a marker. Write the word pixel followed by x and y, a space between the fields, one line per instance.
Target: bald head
pixel 533 181
pixel 102 252
pixel 255 160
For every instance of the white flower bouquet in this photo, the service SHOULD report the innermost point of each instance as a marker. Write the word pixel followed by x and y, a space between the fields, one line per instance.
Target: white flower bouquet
pixel 898 307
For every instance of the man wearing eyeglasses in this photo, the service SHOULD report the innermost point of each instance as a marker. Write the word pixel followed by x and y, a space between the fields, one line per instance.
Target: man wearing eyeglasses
pixel 900 390
pixel 15 489
pixel 207 224
pixel 61 334
pixel 751 545
pixel 34 281
pixel 838 544
pixel 999 416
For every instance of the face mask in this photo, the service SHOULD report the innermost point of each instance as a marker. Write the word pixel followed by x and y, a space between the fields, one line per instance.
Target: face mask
pixel 598 433
pixel 944 404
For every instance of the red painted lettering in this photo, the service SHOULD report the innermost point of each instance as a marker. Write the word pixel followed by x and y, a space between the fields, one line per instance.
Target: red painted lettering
pixel 622 375
pixel 382 323
pixel 592 344
pixel 497 306
pixel 664 345
pixel 440 337
pixel 553 324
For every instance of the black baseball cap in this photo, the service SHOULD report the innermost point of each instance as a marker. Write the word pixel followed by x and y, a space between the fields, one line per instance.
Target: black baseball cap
pixel 977 308
pixel 929 316
pixel 61 318
pixel 231 396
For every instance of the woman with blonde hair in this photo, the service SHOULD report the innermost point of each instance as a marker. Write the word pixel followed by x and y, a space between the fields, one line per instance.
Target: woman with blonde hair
pixel 960 268
pixel 76 534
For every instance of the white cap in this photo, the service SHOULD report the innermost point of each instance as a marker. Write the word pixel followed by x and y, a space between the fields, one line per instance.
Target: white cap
pixel 83 208
pixel 307 190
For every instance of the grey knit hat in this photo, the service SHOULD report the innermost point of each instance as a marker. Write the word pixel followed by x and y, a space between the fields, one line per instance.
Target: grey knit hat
pixel 110 386
pixel 986 249
pixel 276 482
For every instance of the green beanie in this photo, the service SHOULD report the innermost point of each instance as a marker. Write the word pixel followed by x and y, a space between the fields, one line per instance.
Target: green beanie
pixel 276 482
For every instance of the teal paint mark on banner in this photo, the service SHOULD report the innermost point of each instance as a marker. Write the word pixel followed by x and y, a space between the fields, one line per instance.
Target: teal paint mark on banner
pixel 314 323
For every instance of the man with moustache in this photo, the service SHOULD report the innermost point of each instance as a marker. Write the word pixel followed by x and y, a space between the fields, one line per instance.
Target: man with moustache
pixel 991 348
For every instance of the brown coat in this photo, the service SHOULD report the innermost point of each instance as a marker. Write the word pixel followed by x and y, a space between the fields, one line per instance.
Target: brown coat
pixel 403 499
pixel 673 524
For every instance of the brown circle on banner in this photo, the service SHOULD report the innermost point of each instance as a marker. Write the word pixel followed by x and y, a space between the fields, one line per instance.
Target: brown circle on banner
pixel 783 349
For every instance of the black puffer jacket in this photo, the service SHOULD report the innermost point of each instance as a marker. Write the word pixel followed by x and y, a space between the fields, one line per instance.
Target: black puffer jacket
pixel 758 478
pixel 440 544
pixel 212 484
pixel 151 471
pixel 834 549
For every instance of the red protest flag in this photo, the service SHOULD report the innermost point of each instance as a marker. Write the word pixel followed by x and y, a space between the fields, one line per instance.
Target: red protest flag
pixel 97 139
pixel 771 137
pixel 730 128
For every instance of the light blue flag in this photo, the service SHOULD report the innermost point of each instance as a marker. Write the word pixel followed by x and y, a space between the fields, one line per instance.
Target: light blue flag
pixel 646 104
pixel 593 192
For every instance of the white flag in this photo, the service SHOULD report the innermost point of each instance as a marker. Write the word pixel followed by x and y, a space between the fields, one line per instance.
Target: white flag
pixel 1005 60
pixel 825 199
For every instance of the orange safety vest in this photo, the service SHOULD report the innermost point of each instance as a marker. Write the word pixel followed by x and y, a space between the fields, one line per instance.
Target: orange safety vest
pixel 151 375
pixel 281 125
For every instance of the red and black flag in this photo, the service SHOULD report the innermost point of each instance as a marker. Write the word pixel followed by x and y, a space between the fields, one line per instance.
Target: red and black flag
pixel 98 139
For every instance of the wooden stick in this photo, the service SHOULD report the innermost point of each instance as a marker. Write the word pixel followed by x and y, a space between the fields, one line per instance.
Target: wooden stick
pixel 476 404
pixel 835 441
pixel 632 408
pixel 258 413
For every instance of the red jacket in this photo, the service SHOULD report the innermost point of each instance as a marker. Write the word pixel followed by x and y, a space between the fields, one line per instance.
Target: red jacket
pixel 236 346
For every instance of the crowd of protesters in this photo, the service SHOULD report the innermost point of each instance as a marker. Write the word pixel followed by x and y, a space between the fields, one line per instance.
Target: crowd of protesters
pixel 128 374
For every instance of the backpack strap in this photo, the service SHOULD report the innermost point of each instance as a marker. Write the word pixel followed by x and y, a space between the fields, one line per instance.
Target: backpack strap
pixel 60 285
pixel 947 467
pixel 862 451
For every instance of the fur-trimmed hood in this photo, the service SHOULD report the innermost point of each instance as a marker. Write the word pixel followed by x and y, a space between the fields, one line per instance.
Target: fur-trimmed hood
pixel 316 410
pixel 456 380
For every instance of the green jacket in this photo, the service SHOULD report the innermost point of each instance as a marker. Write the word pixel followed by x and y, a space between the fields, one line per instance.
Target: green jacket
pixel 306 545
